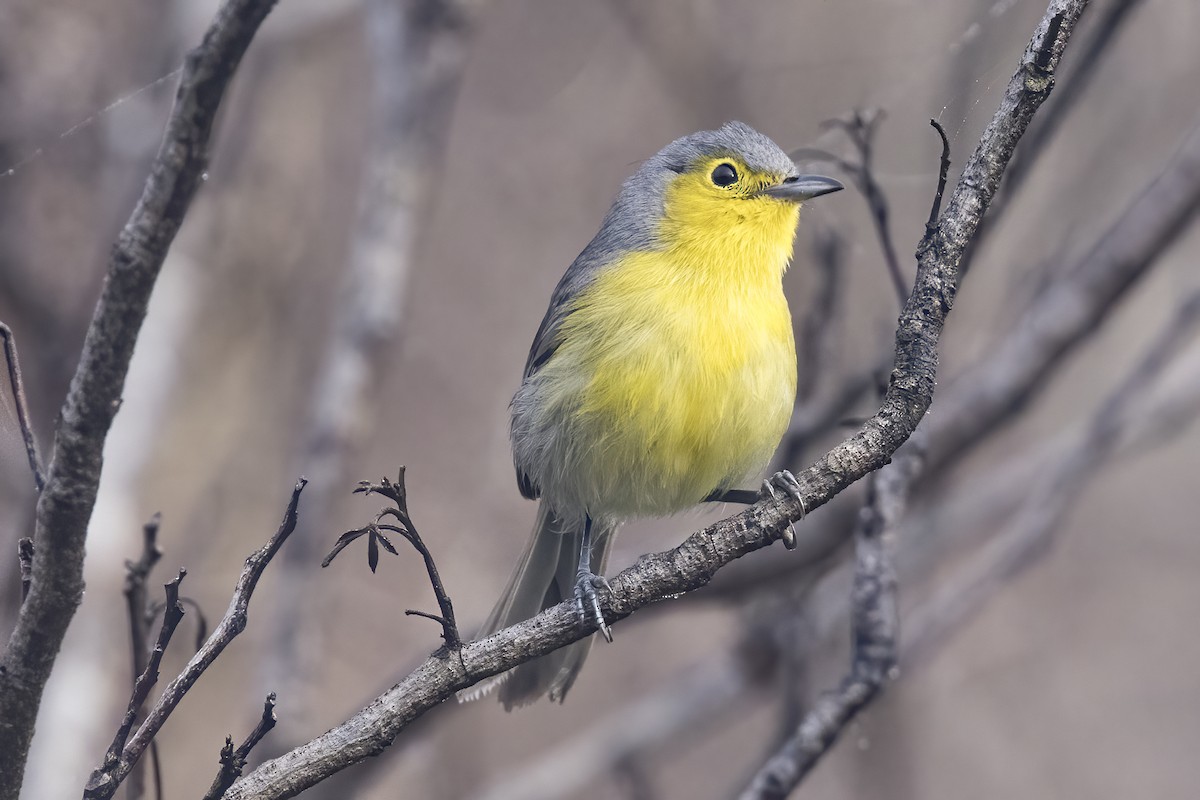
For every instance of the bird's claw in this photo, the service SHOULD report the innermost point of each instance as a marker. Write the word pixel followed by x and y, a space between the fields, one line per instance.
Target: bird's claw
pixel 785 481
pixel 587 600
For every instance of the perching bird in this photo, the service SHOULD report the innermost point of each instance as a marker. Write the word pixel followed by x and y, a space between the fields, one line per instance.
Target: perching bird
pixel 663 374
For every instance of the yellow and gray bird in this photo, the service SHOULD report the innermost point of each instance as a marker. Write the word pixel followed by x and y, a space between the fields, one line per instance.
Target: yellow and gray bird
pixel 663 374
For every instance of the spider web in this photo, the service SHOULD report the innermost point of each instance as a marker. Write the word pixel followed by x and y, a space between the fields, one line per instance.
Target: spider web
pixel 890 97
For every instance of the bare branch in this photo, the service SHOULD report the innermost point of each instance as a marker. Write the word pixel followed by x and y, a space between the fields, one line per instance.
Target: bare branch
pixel 943 171
pixel 18 395
pixel 693 563
pixel 66 501
pixel 860 129
pixel 232 624
pixel 105 779
pixel 136 607
pixel 234 761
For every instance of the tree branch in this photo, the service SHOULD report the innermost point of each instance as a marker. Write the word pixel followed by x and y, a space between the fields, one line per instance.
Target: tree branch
pixel 65 504
pixel 694 562
pixel 860 129
pixel 1019 365
pixel 105 776
pixel 136 608
pixel 18 395
pixel 115 770
pixel 234 761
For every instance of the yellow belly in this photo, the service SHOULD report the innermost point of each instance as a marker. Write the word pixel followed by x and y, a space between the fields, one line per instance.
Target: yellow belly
pixel 675 389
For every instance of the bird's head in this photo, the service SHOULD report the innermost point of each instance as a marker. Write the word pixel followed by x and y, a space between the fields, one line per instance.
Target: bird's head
pixel 723 188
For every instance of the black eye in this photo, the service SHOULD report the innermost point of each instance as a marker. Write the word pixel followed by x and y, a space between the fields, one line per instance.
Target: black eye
pixel 724 175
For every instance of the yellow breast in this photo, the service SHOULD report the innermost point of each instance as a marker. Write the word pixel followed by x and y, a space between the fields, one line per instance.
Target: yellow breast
pixel 679 363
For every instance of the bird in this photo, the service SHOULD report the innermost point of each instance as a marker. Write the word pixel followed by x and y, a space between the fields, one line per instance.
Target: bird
pixel 663 375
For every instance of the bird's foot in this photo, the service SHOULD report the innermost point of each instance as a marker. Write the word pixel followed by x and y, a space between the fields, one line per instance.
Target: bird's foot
pixel 786 482
pixel 587 600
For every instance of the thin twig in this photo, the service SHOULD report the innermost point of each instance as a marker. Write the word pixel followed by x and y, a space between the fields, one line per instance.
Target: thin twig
pixel 18 394
pixel 659 575
pixel 136 607
pixel 73 474
pixel 376 538
pixel 943 172
pixel 860 128
pixel 233 761
pixel 105 781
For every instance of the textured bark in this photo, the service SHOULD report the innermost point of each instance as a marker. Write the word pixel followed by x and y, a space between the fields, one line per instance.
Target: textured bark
pixel 65 505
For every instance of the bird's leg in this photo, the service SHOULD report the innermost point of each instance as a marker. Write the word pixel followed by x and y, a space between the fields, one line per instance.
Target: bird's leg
pixel 786 481
pixel 745 497
pixel 587 601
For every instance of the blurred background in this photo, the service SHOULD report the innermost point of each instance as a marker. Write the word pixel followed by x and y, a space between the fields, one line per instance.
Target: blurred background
pixel 396 187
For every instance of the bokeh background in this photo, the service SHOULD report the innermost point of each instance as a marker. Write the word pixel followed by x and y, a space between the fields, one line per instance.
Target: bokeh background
pixel 397 201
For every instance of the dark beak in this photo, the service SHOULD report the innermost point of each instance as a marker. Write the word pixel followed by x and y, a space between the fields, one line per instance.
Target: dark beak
pixel 799 188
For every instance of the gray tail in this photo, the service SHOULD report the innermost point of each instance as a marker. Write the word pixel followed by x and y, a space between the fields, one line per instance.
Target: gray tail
pixel 544 577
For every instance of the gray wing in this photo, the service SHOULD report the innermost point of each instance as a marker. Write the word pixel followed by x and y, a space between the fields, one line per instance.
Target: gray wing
pixel 546 341
pixel 629 226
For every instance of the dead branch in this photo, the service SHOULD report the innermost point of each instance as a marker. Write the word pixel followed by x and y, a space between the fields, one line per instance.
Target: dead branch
pixel 860 129
pixel 943 170
pixel 18 395
pixel 693 563
pixel 136 607
pixel 234 761
pixel 1017 368
pixel 417 53
pixel 104 782
pixel 65 503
